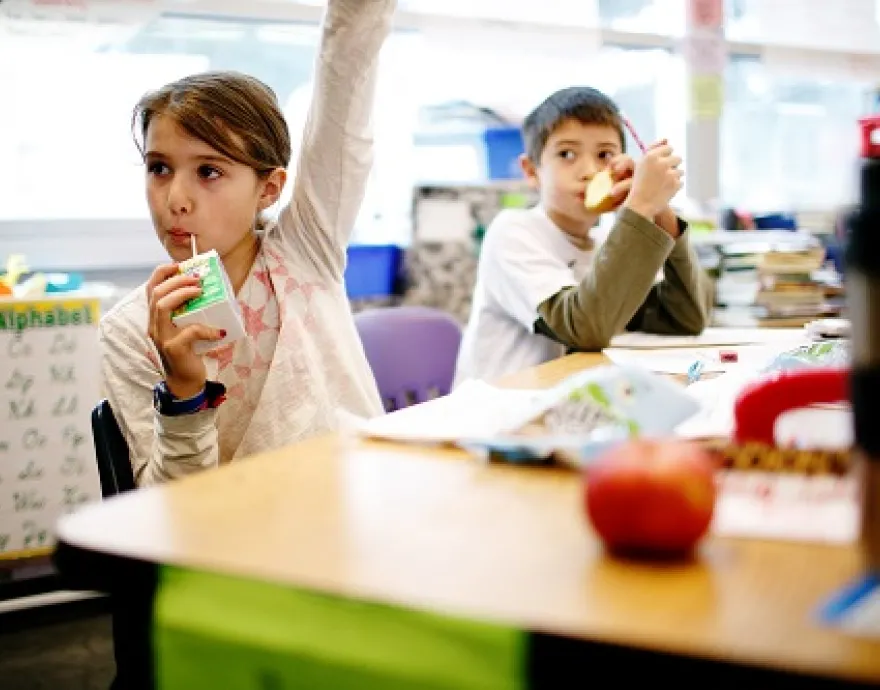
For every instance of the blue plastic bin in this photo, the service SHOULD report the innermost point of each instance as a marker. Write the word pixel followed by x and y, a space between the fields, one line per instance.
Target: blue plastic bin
pixel 776 221
pixel 504 145
pixel 373 270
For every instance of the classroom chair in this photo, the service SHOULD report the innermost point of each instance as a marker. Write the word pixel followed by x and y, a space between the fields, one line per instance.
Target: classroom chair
pixel 111 452
pixel 412 352
pixel 131 605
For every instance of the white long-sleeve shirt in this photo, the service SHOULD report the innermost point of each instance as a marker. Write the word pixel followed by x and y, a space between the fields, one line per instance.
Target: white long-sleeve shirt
pixel 302 359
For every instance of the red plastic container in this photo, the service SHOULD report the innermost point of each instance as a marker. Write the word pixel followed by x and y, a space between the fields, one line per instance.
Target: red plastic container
pixel 870 129
pixel 760 404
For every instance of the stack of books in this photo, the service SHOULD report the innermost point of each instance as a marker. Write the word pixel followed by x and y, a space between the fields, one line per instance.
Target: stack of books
pixel 775 286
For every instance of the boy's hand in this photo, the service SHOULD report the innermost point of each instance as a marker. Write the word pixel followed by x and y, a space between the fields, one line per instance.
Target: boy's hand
pixel 655 181
pixel 620 169
pixel 667 221
pixel 167 289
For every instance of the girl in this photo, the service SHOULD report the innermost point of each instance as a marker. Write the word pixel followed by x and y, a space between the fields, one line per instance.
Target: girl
pixel 216 147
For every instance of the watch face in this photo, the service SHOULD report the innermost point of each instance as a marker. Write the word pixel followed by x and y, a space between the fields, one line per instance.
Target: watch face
pixel 161 398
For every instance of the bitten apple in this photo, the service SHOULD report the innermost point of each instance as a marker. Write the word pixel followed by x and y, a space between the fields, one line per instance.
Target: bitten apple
pixel 651 497
pixel 598 197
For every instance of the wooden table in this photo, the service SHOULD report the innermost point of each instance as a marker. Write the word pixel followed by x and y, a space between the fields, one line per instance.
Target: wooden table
pixel 434 530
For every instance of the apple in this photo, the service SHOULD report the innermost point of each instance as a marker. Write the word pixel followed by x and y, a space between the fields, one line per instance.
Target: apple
pixel 598 197
pixel 651 497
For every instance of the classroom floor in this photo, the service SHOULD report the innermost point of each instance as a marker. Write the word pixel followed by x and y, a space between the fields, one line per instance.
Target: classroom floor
pixel 68 649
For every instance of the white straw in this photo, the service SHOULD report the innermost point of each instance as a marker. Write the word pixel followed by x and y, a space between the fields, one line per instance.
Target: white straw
pixel 192 239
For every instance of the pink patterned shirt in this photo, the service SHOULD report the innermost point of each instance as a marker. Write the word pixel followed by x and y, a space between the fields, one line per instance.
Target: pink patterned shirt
pixel 302 359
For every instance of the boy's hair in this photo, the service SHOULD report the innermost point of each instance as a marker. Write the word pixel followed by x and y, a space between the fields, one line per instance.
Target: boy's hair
pixel 233 113
pixel 582 103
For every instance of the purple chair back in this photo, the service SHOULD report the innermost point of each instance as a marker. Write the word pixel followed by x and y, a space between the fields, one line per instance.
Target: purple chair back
pixel 412 352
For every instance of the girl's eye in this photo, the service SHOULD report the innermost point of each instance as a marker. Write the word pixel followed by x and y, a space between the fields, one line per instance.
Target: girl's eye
pixel 606 156
pixel 567 154
pixel 157 168
pixel 208 172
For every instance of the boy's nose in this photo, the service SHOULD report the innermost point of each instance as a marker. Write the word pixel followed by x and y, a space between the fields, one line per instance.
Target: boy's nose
pixel 588 170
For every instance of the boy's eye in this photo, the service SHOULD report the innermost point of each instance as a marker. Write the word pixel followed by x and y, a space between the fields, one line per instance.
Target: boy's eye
pixel 208 172
pixel 567 154
pixel 606 155
pixel 157 168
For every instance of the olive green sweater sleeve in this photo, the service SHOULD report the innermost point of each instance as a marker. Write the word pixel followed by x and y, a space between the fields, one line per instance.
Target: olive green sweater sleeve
pixel 620 293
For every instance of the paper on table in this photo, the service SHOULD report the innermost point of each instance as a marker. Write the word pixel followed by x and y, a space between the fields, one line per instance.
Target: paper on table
pixel 474 409
pixel 716 398
pixel 665 361
pixel 820 426
pixel 583 404
pixel 789 507
pixel 711 337
pixel 679 360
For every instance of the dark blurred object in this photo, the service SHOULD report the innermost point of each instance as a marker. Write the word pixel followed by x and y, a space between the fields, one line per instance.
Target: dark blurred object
pixel 863 294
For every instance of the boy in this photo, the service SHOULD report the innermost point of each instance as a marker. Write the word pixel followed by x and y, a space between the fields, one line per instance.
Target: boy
pixel 541 288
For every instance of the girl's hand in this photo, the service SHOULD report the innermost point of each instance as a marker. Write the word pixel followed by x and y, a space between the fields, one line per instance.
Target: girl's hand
pixel 167 289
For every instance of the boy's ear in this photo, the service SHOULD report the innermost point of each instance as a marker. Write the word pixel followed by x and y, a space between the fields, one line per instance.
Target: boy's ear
pixel 530 170
pixel 272 186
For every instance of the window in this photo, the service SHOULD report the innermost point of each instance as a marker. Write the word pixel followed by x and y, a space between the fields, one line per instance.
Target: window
pixel 664 17
pixel 577 13
pixel 67 145
pixel 787 141
pixel 73 183
pixel 842 25
pixel 647 84
pixel 72 179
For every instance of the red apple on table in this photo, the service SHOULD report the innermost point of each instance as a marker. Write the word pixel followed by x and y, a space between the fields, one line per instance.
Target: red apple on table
pixel 651 497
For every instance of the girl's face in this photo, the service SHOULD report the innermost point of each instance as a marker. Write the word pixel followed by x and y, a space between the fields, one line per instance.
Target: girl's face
pixel 195 191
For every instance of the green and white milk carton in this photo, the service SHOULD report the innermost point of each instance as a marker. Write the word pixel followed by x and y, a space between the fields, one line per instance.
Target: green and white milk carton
pixel 215 307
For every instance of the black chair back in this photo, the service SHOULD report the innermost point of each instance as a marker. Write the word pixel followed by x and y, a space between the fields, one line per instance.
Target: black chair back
pixel 111 451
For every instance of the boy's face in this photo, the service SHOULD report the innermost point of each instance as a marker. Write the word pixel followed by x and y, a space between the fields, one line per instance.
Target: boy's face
pixel 574 153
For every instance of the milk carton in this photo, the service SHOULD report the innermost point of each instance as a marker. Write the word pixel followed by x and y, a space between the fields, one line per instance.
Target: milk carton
pixel 215 307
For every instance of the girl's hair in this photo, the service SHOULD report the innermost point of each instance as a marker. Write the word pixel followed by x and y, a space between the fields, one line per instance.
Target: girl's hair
pixel 233 113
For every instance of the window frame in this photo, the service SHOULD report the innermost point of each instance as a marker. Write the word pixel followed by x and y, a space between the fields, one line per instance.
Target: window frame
pixel 78 244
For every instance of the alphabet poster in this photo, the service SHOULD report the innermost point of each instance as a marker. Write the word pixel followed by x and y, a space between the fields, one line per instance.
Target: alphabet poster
pixel 48 387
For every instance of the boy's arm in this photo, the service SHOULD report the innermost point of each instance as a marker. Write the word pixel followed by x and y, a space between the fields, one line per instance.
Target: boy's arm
pixel 681 303
pixel 337 147
pixel 588 315
pixel 160 448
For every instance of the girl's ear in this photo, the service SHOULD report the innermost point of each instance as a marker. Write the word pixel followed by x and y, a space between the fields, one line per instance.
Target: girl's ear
pixel 272 186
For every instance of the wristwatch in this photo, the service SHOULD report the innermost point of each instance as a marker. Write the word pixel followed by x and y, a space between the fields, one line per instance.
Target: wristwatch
pixel 165 403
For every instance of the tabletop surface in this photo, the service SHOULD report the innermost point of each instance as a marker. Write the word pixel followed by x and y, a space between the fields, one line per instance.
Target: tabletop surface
pixel 435 529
